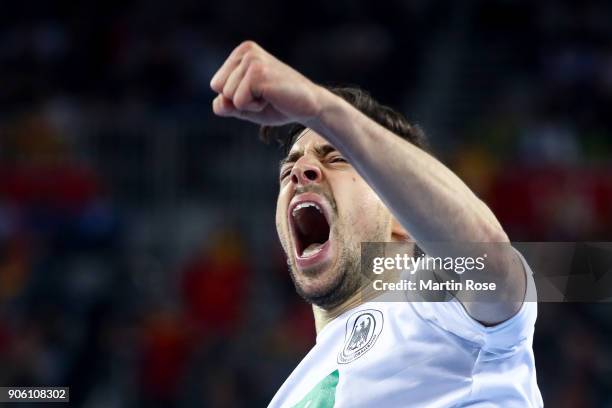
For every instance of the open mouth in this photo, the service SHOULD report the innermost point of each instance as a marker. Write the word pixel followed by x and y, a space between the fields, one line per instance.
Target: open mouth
pixel 310 227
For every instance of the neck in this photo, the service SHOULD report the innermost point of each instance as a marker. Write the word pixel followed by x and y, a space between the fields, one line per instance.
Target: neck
pixel 323 316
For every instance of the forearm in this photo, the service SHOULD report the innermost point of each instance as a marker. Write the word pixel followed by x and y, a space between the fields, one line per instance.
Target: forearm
pixel 428 199
pixel 430 202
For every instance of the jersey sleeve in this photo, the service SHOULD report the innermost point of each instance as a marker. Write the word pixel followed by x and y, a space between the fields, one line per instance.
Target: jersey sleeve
pixel 499 339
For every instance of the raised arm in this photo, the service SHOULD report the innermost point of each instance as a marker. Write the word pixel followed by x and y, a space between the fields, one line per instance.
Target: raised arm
pixel 428 199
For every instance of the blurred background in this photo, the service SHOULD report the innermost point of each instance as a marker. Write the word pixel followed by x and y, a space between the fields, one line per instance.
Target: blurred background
pixel 139 263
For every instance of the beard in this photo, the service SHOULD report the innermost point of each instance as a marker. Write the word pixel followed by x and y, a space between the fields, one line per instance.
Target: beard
pixel 346 280
pixel 345 277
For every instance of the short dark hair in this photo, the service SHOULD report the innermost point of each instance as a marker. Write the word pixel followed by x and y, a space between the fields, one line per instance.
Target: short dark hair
pixel 364 102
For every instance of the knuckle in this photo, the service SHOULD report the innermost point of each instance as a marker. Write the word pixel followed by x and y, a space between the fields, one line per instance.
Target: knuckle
pixel 257 69
pixel 248 45
pixel 249 57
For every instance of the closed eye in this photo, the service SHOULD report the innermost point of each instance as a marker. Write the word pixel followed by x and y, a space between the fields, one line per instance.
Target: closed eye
pixel 337 159
pixel 285 173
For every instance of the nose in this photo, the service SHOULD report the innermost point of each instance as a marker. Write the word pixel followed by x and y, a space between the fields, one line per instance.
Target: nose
pixel 305 172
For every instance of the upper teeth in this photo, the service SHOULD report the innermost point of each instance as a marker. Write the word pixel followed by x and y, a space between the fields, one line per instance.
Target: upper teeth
pixel 304 205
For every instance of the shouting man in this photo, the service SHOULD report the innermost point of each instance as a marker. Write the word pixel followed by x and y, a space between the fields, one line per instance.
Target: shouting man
pixel 357 171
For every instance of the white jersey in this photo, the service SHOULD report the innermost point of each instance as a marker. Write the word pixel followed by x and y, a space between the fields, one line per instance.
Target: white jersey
pixel 418 354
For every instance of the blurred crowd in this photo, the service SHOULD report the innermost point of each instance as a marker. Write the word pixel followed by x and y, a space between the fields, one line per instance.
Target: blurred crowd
pixel 138 258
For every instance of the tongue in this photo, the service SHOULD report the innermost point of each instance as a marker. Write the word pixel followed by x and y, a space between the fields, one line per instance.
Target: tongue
pixel 311 249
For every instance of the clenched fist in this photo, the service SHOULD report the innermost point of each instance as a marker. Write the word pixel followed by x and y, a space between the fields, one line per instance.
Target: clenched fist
pixel 255 86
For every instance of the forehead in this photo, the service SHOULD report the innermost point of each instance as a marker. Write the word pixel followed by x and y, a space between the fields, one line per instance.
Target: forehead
pixel 307 140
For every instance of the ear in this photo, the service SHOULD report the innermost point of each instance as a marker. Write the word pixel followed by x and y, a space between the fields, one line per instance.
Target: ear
pixel 398 232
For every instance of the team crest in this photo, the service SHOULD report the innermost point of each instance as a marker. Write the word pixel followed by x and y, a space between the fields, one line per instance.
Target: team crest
pixel 362 331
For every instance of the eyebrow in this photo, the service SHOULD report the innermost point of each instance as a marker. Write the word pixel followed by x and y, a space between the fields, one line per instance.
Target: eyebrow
pixel 320 150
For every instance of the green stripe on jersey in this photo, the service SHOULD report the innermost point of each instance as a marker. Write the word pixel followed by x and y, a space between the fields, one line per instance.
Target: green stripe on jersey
pixel 323 395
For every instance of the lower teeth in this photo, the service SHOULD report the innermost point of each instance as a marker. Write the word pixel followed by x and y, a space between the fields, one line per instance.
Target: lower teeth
pixel 311 250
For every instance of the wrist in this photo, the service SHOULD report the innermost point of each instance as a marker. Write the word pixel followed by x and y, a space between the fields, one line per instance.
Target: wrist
pixel 324 102
pixel 329 109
